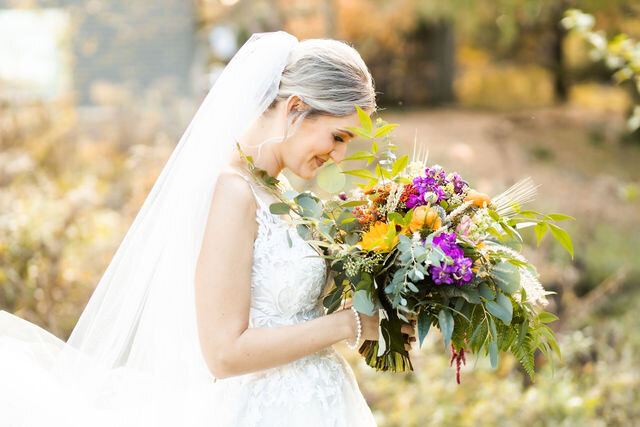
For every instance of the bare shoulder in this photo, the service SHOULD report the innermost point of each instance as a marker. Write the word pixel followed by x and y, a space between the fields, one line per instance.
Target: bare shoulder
pixel 234 189
pixel 233 200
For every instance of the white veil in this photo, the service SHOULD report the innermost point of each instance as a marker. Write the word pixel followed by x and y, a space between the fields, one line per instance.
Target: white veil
pixel 134 356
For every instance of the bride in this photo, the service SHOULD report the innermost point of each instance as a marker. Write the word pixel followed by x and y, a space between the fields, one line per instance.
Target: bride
pixel 208 314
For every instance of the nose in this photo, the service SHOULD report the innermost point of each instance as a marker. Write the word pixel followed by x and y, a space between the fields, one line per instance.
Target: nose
pixel 338 153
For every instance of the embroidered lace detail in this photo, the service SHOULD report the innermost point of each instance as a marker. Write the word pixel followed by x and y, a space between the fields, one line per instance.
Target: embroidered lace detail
pixel 286 287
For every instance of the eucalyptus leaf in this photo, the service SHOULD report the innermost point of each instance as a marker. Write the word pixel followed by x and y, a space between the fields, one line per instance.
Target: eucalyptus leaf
pixel 486 292
pixel 506 276
pixel 279 208
pixel 498 311
pixel 289 194
pixel 446 323
pixel 363 303
pixel 505 303
pixel 494 332
pixel 331 179
pixel 493 354
pixel 424 323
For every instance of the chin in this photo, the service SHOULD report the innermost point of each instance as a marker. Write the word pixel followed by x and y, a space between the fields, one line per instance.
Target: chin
pixel 307 173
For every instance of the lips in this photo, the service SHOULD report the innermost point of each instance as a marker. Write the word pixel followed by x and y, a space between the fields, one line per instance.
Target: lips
pixel 319 161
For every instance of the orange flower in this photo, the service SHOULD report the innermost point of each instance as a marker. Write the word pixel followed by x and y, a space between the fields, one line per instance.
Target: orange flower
pixel 373 240
pixel 422 215
pixel 478 198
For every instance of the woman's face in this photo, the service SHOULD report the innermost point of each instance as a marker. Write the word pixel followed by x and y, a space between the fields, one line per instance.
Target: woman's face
pixel 318 139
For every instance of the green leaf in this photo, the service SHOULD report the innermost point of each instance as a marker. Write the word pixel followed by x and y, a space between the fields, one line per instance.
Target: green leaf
pixel 506 276
pixel 445 321
pixel 289 194
pixel 383 130
pixel 493 354
pixel 279 208
pixel 486 292
pixel 353 203
pixel 563 237
pixel 363 303
pixel 498 311
pixel 378 170
pixel 399 165
pixel 530 213
pixel 374 147
pixel 541 230
pixel 424 323
pixel 524 326
pixel 365 120
pixel 494 332
pixel 546 317
pixel 505 303
pixel 359 132
pixel 558 217
pixel 330 178
pixel 391 234
pixel 289 241
pixel 360 155
pixel 310 208
pixel 362 173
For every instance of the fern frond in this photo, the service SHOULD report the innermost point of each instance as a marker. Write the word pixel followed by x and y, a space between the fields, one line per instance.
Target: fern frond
pixel 524 353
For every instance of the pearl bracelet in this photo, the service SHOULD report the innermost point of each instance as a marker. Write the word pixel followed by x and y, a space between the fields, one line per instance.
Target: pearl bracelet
pixel 359 329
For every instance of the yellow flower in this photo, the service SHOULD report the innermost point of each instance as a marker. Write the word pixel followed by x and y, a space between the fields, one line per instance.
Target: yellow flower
pixel 374 239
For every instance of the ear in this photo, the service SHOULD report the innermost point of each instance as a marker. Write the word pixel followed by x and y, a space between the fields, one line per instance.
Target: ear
pixel 294 104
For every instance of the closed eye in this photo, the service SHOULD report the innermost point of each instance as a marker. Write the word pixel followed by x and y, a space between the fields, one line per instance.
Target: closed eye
pixel 338 138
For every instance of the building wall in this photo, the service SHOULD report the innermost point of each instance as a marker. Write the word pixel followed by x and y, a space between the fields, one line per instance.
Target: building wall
pixel 133 43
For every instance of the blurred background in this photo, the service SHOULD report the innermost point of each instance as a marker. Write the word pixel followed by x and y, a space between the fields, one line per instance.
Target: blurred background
pixel 95 94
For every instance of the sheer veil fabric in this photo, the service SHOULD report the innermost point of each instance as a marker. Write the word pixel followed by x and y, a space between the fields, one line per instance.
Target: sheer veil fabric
pixel 134 356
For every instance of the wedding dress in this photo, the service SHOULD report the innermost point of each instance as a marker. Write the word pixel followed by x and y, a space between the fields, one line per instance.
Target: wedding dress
pixel 134 359
pixel 286 286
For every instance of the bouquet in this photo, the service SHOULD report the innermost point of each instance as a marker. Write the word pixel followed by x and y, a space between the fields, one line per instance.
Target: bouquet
pixel 416 241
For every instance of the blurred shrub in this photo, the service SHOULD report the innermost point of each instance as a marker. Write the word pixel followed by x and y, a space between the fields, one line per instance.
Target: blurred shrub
pixel 600 97
pixel 69 189
pixel 480 83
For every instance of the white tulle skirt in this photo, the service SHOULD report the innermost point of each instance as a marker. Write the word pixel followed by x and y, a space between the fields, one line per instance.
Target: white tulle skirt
pixel 36 389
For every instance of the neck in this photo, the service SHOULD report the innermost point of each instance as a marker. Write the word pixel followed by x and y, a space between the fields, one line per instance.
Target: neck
pixel 270 158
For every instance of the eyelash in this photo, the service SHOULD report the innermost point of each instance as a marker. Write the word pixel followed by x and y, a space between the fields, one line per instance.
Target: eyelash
pixel 338 138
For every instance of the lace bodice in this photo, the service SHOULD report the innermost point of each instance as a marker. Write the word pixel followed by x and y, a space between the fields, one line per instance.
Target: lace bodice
pixel 287 276
pixel 287 283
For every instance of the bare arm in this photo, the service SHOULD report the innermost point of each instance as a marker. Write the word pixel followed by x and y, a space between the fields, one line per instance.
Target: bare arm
pixel 223 295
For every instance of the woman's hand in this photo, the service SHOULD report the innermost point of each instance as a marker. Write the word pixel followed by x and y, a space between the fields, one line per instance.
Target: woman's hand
pixel 409 331
pixel 370 324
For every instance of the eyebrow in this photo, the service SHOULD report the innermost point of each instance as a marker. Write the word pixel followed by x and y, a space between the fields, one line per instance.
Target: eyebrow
pixel 348 132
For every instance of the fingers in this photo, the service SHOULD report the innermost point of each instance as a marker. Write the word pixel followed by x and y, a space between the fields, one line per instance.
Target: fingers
pixel 408 346
pixel 408 329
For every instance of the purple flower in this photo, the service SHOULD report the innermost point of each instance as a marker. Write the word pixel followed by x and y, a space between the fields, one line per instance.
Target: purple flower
pixel 456 273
